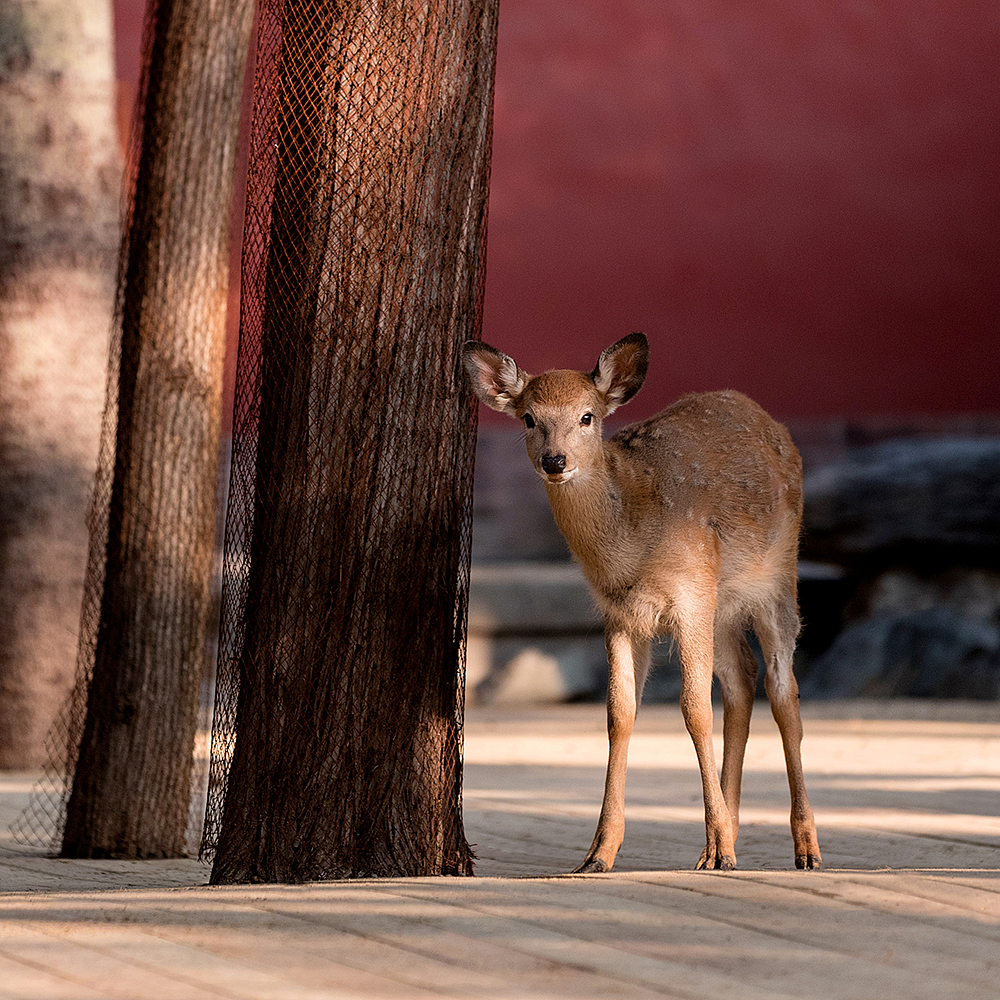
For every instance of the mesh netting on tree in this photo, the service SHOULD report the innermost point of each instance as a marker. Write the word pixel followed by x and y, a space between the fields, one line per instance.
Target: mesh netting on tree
pixel 120 776
pixel 336 746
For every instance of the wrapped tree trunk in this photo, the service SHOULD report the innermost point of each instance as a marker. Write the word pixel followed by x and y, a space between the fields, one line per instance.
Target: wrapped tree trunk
pixel 149 591
pixel 337 741
pixel 59 189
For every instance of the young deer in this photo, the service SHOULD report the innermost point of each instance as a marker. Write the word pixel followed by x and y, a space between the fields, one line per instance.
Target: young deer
pixel 686 523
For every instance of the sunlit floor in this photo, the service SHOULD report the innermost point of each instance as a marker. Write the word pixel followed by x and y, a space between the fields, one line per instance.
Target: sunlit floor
pixel 892 785
pixel 907 801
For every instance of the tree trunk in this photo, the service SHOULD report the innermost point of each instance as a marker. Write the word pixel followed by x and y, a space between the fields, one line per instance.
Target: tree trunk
pixel 131 788
pixel 59 196
pixel 342 649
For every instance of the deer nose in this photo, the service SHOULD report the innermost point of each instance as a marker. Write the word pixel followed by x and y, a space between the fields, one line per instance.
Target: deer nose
pixel 551 464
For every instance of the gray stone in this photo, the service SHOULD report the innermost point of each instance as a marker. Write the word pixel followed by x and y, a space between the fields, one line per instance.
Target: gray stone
pixel 536 636
pixel 515 669
pixel 916 634
pixel 539 670
pixel 933 653
pixel 917 522
pixel 532 598
pixel 921 502
pixel 971 593
pixel 512 520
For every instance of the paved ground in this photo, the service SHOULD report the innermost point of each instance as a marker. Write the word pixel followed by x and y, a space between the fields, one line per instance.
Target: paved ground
pixel 907 799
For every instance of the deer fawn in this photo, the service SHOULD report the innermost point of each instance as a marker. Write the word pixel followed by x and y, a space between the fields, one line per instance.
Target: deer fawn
pixel 686 523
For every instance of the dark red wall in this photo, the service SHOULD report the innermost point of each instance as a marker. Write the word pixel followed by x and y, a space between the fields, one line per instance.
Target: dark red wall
pixel 799 200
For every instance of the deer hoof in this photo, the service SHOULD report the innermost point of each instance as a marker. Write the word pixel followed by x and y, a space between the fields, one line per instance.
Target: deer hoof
pixel 810 862
pixel 592 865
pixel 721 863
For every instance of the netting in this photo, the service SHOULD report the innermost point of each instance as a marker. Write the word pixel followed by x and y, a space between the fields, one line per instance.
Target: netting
pixel 336 745
pixel 119 780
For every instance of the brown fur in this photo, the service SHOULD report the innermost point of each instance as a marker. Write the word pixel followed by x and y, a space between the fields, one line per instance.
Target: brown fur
pixel 687 524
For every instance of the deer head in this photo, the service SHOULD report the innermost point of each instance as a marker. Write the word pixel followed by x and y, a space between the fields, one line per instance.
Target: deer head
pixel 562 411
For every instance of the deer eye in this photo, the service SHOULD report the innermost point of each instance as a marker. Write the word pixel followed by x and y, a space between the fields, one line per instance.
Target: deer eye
pixel 587 419
pixel 529 421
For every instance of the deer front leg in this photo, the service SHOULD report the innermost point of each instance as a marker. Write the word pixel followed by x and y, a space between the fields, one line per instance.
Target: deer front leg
pixel 694 632
pixel 628 664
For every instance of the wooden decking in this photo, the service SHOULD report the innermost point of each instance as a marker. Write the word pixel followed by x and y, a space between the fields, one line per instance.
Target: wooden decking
pixel 907 800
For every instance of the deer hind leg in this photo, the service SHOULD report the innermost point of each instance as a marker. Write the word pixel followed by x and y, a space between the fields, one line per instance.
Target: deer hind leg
pixel 628 664
pixel 736 668
pixel 693 631
pixel 776 629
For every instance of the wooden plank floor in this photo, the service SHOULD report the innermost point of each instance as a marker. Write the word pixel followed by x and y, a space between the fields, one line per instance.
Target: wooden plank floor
pixel 907 800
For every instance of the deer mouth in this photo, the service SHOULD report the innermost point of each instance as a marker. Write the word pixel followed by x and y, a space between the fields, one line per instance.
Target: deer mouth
pixel 555 478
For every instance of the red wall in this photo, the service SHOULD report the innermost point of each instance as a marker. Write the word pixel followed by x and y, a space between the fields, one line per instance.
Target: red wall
pixel 798 200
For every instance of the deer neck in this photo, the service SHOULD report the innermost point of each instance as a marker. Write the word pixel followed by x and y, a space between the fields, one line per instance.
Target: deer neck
pixel 590 511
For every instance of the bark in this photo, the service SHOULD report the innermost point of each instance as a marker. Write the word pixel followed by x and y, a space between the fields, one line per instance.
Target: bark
pixel 131 788
pixel 348 635
pixel 59 196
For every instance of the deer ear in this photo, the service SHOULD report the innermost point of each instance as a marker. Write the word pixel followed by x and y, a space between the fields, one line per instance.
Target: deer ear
pixel 495 378
pixel 621 369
